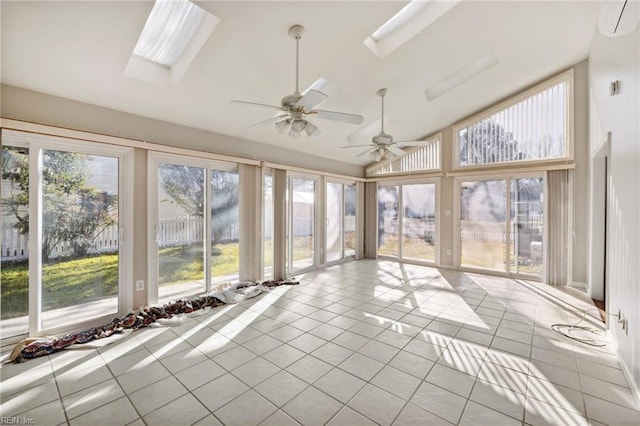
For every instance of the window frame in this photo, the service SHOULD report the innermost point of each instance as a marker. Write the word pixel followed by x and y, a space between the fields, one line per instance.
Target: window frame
pixel 508 177
pixel 318 235
pixel 37 143
pixel 401 183
pixel 565 76
pixel 154 159
pixel 344 183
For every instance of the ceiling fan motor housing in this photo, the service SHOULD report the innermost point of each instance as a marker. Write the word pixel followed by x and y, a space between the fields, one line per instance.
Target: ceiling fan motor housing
pixel 382 138
pixel 290 101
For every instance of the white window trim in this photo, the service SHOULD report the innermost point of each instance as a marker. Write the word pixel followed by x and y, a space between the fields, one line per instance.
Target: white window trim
pixel 343 258
pixel 154 159
pixel 36 144
pixel 318 206
pixel 566 76
pixel 400 257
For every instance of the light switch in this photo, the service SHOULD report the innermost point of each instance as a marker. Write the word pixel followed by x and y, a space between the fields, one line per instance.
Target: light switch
pixel 447 212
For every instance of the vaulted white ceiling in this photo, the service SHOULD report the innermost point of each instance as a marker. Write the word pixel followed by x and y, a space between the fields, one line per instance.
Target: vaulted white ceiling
pixel 80 49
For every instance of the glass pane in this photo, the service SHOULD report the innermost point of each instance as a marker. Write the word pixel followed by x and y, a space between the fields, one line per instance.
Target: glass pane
pixel 334 221
pixel 350 220
pixel 287 239
pixel 268 227
pixel 419 221
pixel 527 225
pixel 14 282
pixel 180 231
pixel 532 129
pixel 225 217
pixel 388 220
pixel 79 237
pixel 483 224
pixel 302 220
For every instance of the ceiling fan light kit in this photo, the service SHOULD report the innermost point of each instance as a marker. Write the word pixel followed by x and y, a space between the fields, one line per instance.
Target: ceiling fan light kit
pixel 298 107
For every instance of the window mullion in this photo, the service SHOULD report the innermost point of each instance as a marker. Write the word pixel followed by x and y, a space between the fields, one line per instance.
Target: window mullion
pixel 206 240
pixel 35 239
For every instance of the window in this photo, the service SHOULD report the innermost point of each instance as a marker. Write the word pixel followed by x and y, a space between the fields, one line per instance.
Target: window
pixel 418 159
pixel 267 224
pixel 301 235
pixel 501 223
pixel 195 214
pixel 340 221
pixel 407 223
pixel 534 126
pixel 63 218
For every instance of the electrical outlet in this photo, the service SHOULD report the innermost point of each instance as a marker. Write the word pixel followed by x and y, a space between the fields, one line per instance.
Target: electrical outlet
pixel 140 285
pixel 448 252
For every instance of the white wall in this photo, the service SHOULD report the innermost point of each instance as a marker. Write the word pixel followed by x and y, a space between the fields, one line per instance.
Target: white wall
pixel 619 59
pixel 26 105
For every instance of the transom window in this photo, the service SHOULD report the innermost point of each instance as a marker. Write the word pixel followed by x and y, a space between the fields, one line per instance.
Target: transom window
pixel 419 159
pixel 534 126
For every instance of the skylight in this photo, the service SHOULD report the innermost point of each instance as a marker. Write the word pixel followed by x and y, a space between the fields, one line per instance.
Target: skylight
pixel 173 35
pixel 406 24
pixel 398 20
pixel 170 26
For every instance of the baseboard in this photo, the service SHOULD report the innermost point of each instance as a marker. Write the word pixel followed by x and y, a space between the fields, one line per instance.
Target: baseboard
pixel 579 285
pixel 635 390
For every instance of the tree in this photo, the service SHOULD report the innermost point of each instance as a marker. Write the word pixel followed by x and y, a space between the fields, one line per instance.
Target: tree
pixel 185 186
pixel 15 171
pixel 72 211
pixel 487 142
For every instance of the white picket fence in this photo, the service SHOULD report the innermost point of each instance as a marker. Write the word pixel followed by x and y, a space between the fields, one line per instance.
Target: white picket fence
pixel 171 232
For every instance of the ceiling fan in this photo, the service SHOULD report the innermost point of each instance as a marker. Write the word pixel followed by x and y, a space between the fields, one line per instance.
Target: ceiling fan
pixel 383 145
pixel 295 109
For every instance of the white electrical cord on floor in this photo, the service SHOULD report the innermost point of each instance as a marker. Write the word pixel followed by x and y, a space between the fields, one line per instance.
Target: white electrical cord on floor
pixel 566 330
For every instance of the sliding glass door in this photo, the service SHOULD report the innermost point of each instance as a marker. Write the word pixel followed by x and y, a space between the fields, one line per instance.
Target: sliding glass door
pixel 300 238
pixel 334 226
pixel 483 224
pixel 79 236
pixel 14 284
pixel 350 240
pixel 388 220
pixel 340 221
pixel 195 213
pixel 407 221
pixel 225 221
pixel 527 225
pixel 62 227
pixel 501 224
pixel 267 224
pixel 180 230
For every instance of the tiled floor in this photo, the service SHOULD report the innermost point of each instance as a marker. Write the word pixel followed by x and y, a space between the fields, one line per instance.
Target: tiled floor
pixel 361 343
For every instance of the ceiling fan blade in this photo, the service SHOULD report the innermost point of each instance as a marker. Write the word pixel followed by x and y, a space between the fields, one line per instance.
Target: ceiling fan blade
pixel 355 146
pixel 412 143
pixel 365 152
pixel 338 116
pixel 311 99
pixel 270 120
pixel 396 151
pixel 258 104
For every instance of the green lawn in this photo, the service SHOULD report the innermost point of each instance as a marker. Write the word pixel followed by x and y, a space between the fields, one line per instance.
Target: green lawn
pixel 69 282
pixel 412 248
pixel 65 283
